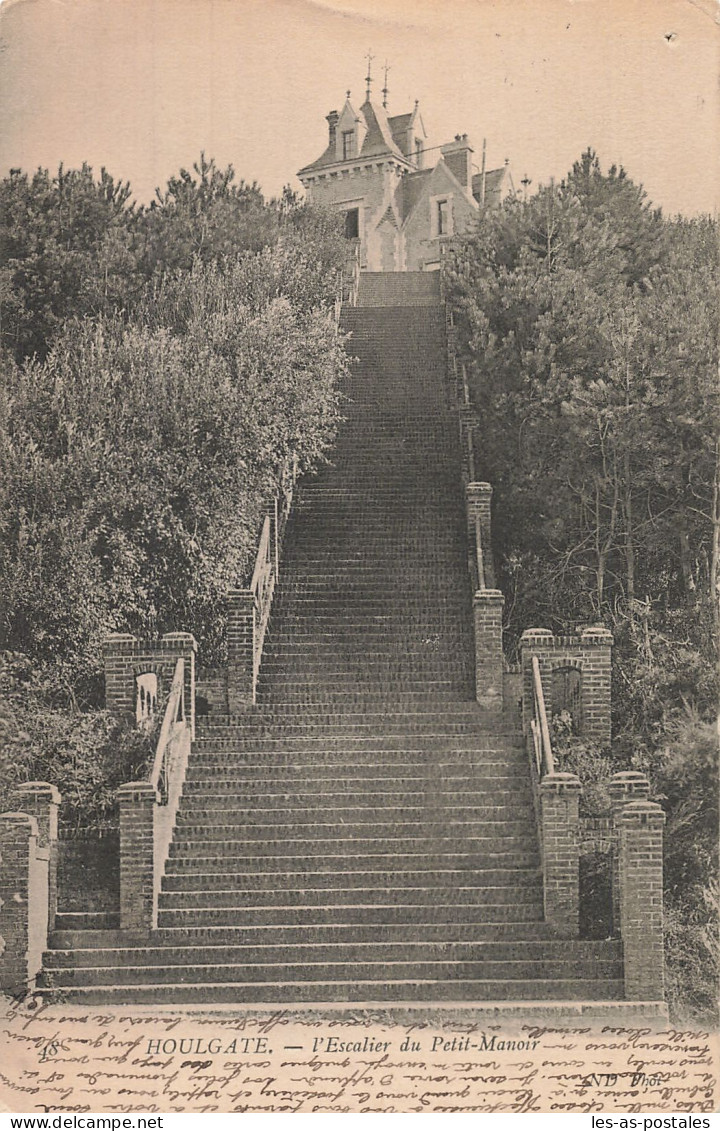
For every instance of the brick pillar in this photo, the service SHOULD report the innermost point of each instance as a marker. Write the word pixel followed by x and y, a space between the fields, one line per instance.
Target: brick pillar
pixel 624 787
pixel 137 857
pixel 19 960
pixel 240 641
pixel 478 498
pixel 489 665
pixel 640 826
pixel 559 799
pixel 42 800
pixel 119 651
pixel 533 642
pixel 596 650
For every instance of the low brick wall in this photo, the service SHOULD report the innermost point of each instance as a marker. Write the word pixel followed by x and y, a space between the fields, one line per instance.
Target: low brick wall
pixel 211 695
pixel 590 652
pixel 127 657
pixel 89 873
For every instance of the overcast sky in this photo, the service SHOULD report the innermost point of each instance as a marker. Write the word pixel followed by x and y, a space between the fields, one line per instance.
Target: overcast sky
pixel 142 86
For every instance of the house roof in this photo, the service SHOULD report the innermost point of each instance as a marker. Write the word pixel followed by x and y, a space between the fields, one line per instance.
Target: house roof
pixel 400 121
pixel 497 181
pixel 326 158
pixel 399 125
pixel 378 140
pixel 411 187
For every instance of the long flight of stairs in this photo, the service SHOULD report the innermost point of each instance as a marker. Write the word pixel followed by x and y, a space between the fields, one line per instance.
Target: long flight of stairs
pixel 366 834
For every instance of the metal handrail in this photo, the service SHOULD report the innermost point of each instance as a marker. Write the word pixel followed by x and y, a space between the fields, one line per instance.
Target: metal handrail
pixel 262 588
pixel 174 713
pixel 262 557
pixel 540 731
pixel 479 559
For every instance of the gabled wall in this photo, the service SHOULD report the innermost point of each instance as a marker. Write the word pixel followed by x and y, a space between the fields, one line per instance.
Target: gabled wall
pixel 422 242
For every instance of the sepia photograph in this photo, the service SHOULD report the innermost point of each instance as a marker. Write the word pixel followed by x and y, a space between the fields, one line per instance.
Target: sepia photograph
pixel 359 559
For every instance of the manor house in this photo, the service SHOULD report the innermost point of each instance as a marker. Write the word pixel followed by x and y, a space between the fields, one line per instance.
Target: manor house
pixel 401 199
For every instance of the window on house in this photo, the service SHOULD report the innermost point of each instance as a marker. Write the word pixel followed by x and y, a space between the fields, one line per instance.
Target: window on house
pixel 352 224
pixel 443 217
pixel 348 144
pixel 418 151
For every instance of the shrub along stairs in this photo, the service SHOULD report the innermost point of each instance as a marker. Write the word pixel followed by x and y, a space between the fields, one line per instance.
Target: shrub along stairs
pixel 365 833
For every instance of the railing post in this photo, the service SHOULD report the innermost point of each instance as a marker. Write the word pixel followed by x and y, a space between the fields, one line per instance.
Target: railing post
pixel 23 903
pixel 241 647
pixel 596 649
pixel 120 649
pixel 640 827
pixel 42 800
pixel 559 797
pixel 137 801
pixel 478 506
pixel 489 666
pixel 624 788
pixel 533 642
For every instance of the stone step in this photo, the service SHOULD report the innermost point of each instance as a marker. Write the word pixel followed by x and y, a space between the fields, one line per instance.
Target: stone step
pixel 436 761
pixel 352 876
pixel 430 910
pixel 465 711
pixel 342 778
pixel 578 955
pixel 370 693
pixel 334 674
pixel 195 810
pixel 515 861
pixel 94 922
pixel 378 971
pixel 335 894
pixel 344 660
pixel 353 990
pixel 489 847
pixel 455 734
pixel 286 722
pixel 210 790
pixel 362 748
pixel 192 827
pixel 352 931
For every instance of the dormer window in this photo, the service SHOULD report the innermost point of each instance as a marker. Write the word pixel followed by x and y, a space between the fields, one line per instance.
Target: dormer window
pixel 348 144
pixel 418 151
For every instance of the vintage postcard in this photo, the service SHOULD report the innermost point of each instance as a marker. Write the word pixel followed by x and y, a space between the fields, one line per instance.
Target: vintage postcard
pixel 360 521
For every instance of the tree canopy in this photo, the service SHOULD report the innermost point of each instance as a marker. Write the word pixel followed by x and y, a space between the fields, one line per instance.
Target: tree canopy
pixel 163 368
pixel 588 326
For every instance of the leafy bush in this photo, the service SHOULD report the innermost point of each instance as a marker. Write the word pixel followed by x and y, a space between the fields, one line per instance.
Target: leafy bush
pixel 87 755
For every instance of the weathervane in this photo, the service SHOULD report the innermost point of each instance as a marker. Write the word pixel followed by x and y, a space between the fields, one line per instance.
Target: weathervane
pixel 368 77
pixel 385 88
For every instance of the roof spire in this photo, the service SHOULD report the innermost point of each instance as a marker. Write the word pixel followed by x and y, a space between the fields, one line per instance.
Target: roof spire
pixel 368 77
pixel 385 88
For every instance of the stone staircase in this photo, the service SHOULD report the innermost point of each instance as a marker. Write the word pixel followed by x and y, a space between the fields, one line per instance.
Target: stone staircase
pixel 399 288
pixel 366 833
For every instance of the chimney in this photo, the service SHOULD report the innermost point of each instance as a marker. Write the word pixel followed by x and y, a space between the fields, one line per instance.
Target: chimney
pixel 332 121
pixel 458 158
